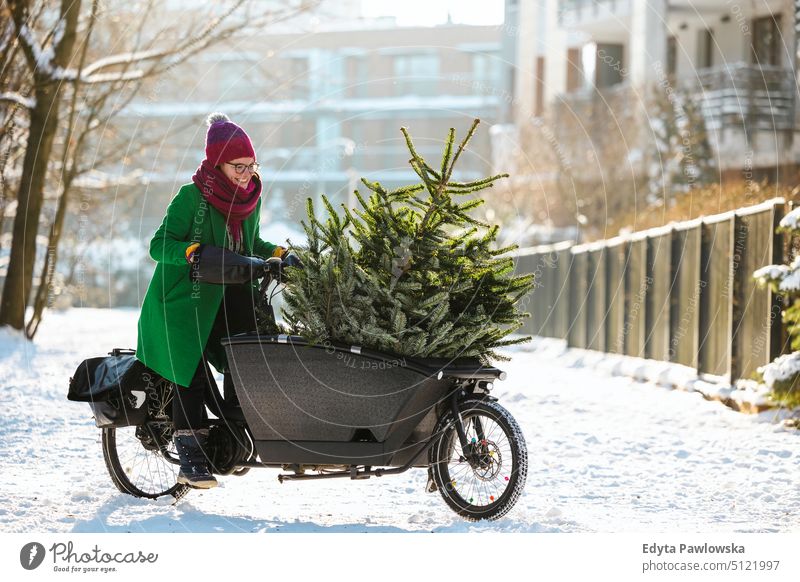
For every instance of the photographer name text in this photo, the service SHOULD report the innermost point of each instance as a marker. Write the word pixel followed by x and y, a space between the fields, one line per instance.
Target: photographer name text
pixel 706 548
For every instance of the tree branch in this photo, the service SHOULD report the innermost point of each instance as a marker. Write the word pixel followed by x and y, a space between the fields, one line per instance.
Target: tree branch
pixel 21 100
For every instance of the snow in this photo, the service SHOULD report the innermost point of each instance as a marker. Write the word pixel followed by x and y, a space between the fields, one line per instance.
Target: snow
pixel 771 273
pixel 747 395
pixel 790 281
pixel 787 276
pixel 121 59
pixel 781 369
pixel 108 77
pixel 607 454
pixel 21 100
pixel 44 56
pixel 790 221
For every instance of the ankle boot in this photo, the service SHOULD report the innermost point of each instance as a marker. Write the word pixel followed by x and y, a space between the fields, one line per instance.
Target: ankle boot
pixel 194 464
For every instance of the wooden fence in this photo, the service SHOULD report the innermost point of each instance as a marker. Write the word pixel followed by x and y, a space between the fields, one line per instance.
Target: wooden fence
pixel 682 293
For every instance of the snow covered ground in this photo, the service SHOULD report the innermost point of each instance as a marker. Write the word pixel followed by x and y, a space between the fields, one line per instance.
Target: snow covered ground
pixel 607 454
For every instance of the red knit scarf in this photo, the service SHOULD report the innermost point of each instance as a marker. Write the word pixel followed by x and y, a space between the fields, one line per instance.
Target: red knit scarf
pixel 234 202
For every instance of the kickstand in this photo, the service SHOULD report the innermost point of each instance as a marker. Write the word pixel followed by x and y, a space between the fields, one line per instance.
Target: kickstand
pixel 431 487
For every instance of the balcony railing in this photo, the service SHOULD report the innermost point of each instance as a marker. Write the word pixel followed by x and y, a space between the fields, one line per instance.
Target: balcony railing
pixel 739 95
pixel 574 12
pixel 747 96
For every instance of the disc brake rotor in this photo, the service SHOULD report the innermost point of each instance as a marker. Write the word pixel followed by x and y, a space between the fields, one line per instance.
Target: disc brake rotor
pixel 488 460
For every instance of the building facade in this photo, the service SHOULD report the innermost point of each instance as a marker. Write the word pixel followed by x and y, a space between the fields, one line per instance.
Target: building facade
pixel 326 108
pixel 736 60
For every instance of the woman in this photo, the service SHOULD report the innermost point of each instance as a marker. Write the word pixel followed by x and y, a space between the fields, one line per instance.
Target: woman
pixel 182 321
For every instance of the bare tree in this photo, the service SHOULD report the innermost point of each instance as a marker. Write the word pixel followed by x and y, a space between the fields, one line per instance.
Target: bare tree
pixel 76 69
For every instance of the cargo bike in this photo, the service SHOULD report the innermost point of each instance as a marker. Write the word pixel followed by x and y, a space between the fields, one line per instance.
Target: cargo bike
pixel 314 411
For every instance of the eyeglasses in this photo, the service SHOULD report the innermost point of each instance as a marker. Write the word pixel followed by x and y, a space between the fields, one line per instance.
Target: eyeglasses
pixel 240 168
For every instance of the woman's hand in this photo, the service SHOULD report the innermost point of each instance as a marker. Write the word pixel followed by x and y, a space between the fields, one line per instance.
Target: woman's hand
pixel 192 252
pixel 222 266
pixel 292 260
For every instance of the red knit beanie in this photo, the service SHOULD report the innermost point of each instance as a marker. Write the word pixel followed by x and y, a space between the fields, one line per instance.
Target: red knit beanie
pixel 226 141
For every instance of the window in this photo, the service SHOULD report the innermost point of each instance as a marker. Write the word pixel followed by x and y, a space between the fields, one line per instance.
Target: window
pixel 480 68
pixel 765 47
pixel 672 56
pixel 416 74
pixel 299 78
pixel 609 65
pixel 574 69
pixel 538 105
pixel 293 78
pixel 705 48
pixel 357 76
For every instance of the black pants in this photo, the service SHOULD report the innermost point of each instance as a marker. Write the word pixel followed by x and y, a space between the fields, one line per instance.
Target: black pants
pixel 236 314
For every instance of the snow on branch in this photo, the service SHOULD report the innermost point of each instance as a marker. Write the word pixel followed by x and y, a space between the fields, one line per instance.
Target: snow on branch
pixel 21 100
pixel 791 220
pixel 8 34
pixel 112 77
pixel 782 278
pixel 122 59
pixel 43 57
pixel 780 370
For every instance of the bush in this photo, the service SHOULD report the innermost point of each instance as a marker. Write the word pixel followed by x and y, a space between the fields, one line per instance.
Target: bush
pixel 782 376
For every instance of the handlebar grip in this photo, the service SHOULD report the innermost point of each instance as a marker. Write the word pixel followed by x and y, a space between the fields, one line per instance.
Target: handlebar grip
pixel 224 267
pixel 292 260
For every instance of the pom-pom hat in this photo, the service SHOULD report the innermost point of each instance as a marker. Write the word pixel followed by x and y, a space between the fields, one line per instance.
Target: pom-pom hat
pixel 226 141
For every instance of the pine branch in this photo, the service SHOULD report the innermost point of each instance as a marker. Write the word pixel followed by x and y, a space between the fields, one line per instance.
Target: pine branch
pixel 461 147
pixel 425 279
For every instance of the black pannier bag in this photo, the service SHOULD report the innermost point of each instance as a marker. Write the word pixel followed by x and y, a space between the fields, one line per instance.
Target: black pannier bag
pixel 115 386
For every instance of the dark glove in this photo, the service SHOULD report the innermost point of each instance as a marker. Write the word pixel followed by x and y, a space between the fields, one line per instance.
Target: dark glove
pixel 222 266
pixel 292 260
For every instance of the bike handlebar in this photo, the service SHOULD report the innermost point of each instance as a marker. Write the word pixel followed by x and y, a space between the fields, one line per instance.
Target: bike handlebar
pixel 221 266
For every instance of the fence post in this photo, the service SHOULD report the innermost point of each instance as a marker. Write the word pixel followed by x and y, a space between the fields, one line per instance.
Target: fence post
pixel 576 332
pixel 685 294
pixel 753 316
pixel 657 318
pixel 615 296
pixel 562 293
pixel 596 303
pixel 779 339
pixel 716 296
pixel 636 288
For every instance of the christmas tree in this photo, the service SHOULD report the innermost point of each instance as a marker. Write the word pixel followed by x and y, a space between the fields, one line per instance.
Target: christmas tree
pixel 409 271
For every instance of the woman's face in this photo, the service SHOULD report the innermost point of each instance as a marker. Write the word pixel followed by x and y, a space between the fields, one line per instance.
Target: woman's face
pixel 241 180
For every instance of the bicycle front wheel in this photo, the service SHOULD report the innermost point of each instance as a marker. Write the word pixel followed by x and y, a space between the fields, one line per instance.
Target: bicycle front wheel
pixel 485 480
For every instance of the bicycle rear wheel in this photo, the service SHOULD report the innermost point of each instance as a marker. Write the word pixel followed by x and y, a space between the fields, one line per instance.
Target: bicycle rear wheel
pixel 136 465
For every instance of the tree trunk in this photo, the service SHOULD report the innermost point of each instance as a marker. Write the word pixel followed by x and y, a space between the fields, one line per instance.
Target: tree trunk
pixel 42 297
pixel 17 287
pixel 43 126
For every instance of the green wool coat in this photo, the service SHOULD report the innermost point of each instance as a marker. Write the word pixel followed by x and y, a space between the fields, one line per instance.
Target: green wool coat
pixel 177 314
